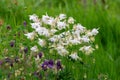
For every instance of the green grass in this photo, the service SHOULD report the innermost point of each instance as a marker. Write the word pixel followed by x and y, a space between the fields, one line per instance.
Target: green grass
pixel 107 57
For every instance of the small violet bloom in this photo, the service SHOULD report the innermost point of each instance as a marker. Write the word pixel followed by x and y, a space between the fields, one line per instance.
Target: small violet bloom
pixel 25 50
pixel 44 65
pixel 50 63
pixel 1 62
pixel 59 65
pixel 25 23
pixel 12 43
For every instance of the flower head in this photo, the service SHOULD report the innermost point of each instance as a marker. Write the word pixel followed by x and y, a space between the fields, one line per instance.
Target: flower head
pixel 59 65
pixel 41 42
pixel 87 49
pixel 33 17
pixel 45 65
pixel 71 20
pixel 25 23
pixel 40 54
pixel 1 62
pixel 62 16
pixel 12 43
pixel 34 49
pixel 25 50
pixel 74 56
pixel 50 63
pixel 61 25
pixel 30 35
pixel 7 60
pixel 94 32
pixel 35 25
pixel 79 27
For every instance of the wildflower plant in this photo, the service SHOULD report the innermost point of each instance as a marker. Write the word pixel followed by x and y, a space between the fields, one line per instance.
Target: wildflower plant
pixel 59 34
pixel 53 40
pixel 53 37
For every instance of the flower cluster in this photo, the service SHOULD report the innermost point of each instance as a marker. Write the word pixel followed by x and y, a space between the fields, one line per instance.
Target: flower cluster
pixel 51 64
pixel 36 59
pixel 60 33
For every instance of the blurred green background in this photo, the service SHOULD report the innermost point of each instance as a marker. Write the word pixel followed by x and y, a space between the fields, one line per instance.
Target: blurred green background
pixel 103 14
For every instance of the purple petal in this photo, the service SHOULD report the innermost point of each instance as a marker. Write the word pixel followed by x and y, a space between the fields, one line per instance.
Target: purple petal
pixel 40 55
pixel 25 23
pixel 50 63
pixel 58 64
pixel 25 49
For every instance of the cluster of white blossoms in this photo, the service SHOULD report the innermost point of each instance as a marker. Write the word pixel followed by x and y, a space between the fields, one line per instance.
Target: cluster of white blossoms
pixel 60 33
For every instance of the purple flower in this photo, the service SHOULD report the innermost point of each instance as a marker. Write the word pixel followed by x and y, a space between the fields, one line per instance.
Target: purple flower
pixel 25 49
pixel 59 65
pixel 1 62
pixel 12 43
pixel 25 23
pixel 44 65
pixel 50 63
pixel 11 64
pixel 45 62
pixel 40 55
pixel 7 60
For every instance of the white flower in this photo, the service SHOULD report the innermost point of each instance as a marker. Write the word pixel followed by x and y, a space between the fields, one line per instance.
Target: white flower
pixel 75 41
pixel 87 49
pixel 51 21
pixel 37 59
pixel 71 20
pixel 94 32
pixel 61 50
pixel 61 25
pixel 17 73
pixel 76 33
pixel 46 32
pixel 53 31
pixel 30 35
pixel 89 34
pixel 79 27
pixel 48 20
pixel 85 39
pixel 62 16
pixel 53 39
pixel 34 49
pixel 35 25
pixel 45 19
pixel 39 30
pixel 74 56
pixel 43 31
pixel 50 28
pixel 41 42
pixel 34 18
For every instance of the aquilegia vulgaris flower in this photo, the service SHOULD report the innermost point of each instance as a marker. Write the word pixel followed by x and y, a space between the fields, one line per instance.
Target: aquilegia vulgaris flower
pixel 60 41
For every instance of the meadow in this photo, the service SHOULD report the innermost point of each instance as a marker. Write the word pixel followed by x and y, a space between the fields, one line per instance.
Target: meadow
pixel 16 61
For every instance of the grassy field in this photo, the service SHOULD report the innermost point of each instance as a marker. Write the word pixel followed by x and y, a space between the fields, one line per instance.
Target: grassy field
pixel 100 14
